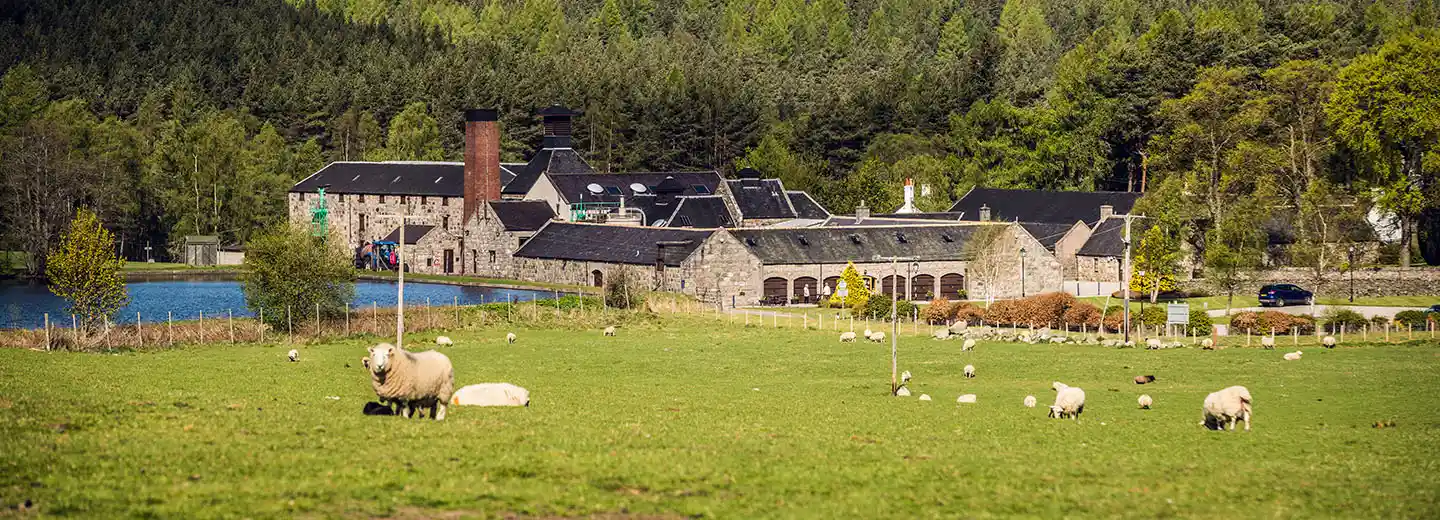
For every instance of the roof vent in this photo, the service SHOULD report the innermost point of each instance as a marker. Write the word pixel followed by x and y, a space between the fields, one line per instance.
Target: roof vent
pixel 357 177
pixel 803 241
pixel 397 179
pixel 438 179
pixel 946 237
pixel 749 241
pixel 855 238
pixel 900 237
pixel 638 188
pixel 595 188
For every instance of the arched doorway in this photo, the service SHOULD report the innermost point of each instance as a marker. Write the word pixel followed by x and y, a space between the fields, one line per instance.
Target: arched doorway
pixel 832 282
pixel 951 284
pixel 799 292
pixel 775 290
pixel 597 278
pixel 922 287
pixel 890 283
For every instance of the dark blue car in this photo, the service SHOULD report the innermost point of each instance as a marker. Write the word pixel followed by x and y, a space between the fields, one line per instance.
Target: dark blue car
pixel 1281 294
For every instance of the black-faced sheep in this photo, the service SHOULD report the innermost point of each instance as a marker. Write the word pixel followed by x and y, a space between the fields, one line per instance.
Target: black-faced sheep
pixel 1227 407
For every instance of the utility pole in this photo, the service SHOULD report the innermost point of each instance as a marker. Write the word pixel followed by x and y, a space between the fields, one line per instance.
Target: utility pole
pixel 1125 269
pixel 400 288
pixel 894 321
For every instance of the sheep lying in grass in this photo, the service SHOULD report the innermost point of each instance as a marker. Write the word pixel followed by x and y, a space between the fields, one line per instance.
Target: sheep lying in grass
pixel 1226 407
pixel 294 355
pixel 1293 356
pixel 969 371
pixel 414 380
pixel 967 398
pixel 942 334
pixel 491 394
pixel 1207 344
pixel 1140 380
pixel 876 337
pixel 1146 401
pixel 902 392
pixel 1069 403
pixel 443 341
pixel 1029 401
pixel 968 346
pixel 1153 343
pixel 510 337
pixel 847 337
pixel 1268 342
pixel 1328 341
pixel 924 397
pixel 610 331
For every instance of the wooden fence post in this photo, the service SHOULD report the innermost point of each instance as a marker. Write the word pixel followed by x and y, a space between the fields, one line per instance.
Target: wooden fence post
pixel 202 326
pixel 74 329
pixel 170 328
pixel 47 332
pixel 317 320
pixel 139 331
pixel 230 322
pixel 261 324
pixel 289 325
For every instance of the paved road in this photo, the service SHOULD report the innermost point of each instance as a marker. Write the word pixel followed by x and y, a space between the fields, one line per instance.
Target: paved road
pixel 1368 311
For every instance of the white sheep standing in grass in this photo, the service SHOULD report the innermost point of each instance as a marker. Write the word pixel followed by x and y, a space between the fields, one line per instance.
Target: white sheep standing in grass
pixel 443 341
pixel 510 337
pixel 1226 407
pixel 867 333
pixel 1328 341
pixel 1069 402
pixel 294 355
pixel 1146 401
pixel 1153 343
pixel 610 331
pixel 1207 344
pixel 969 371
pixel 905 377
pixel 968 346
pixel 847 337
pixel 413 379
pixel 1029 401
pixel 491 394
pixel 1293 356
pixel 877 337
pixel 1268 342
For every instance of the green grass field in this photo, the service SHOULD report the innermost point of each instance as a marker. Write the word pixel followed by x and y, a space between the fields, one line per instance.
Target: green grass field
pixel 684 416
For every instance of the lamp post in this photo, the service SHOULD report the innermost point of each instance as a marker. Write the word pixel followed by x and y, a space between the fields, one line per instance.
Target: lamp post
pixel 1022 272
pixel 1351 268
pixel 894 321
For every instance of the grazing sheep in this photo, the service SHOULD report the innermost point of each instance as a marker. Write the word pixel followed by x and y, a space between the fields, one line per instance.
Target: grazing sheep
pixel 1328 341
pixel 1153 343
pixel 1293 356
pixel 1226 407
pixel 877 337
pixel 1146 401
pixel 1140 380
pixel 867 334
pixel 847 337
pixel 967 398
pixel 924 397
pixel 510 337
pixel 610 331
pixel 491 394
pixel 1268 342
pixel 969 371
pixel 1029 401
pixel 414 380
pixel 294 355
pixel 968 346
pixel 443 341
pixel 905 377
pixel 902 392
pixel 1207 344
pixel 1069 403
pixel 942 334
pixel 1058 386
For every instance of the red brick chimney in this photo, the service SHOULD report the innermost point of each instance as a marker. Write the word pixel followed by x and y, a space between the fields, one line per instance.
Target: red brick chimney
pixel 482 159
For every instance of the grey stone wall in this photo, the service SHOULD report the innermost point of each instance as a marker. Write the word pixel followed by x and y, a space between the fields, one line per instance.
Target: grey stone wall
pixel 1385 281
pixel 346 210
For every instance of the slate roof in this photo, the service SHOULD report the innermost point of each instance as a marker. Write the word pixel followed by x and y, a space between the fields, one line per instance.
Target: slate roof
pixel 701 212
pixel 507 173
pixel 436 179
pixel 937 215
pixel 760 198
pixel 573 187
pixel 1048 234
pixel 835 245
pixel 805 206
pixel 547 160
pixel 850 220
pixel 413 234
pixel 612 244
pixel 1056 207
pixel 1108 240
pixel 522 215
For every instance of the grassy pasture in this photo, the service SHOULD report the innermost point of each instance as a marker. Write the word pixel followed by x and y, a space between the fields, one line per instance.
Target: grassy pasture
pixel 681 417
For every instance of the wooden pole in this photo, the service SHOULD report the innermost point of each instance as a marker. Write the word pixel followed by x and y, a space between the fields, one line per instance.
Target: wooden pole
pixel 289 325
pixel 139 331
pixel 170 328
pixel 457 311
pixel 347 318
pixel 74 329
pixel 106 332
pixel 230 321
pixel 317 319
pixel 261 324
pixel 375 315
pixel 202 326
pixel 47 332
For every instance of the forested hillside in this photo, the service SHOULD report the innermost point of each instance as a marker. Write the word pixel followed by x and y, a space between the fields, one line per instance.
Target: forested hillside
pixel 175 117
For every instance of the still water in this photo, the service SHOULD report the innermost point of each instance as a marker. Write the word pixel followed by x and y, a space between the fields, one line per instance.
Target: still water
pixel 24 304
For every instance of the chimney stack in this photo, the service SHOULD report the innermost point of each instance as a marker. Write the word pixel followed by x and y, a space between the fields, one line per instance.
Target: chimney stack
pixel 482 159
pixel 909 206
pixel 984 213
pixel 862 212
pixel 1106 211
pixel 557 120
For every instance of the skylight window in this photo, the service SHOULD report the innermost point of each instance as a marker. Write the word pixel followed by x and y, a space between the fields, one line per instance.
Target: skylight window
pixel 613 190
pixel 357 177
pixel 397 179
pixel 438 179
pixel 700 188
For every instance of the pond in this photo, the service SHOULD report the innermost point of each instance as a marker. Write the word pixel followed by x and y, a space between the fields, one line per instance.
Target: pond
pixel 23 304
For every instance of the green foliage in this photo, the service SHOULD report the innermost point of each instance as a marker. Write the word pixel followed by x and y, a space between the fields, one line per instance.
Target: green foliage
pixel 1154 264
pixel 84 270
pixel 878 308
pixel 857 291
pixel 1336 317
pixel 414 135
pixel 288 273
pixel 1412 318
pixel 1152 315
pixel 1200 324
pixel 625 289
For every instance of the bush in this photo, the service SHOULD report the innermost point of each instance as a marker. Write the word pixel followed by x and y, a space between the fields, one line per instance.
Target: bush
pixel 1264 322
pixel 968 313
pixel 1002 312
pixel 1045 310
pixel 287 269
pixel 1152 316
pixel 878 308
pixel 1115 318
pixel 1379 322
pixel 84 270
pixel 1081 313
pixel 939 311
pixel 1412 318
pixel 1350 320
pixel 624 290
pixel 962 295
pixel 1200 324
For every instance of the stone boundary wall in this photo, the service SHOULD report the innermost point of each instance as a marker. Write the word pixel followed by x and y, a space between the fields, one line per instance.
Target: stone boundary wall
pixel 1382 281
